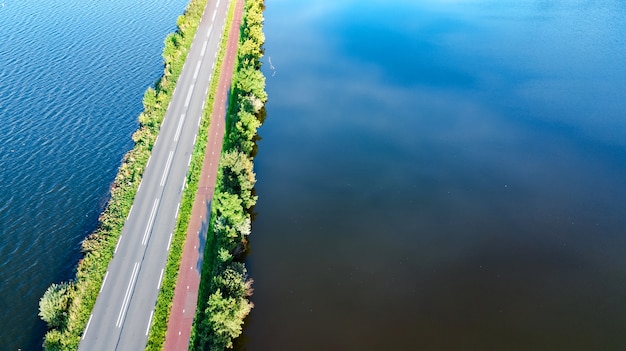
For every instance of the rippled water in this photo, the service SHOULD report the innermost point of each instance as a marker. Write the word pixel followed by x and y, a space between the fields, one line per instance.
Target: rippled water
pixel 72 76
pixel 442 175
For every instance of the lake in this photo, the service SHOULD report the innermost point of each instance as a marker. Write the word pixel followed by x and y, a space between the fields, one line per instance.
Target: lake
pixel 72 78
pixel 441 175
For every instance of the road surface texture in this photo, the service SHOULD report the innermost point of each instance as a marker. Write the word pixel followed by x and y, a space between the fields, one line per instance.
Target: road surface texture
pixel 186 291
pixel 121 317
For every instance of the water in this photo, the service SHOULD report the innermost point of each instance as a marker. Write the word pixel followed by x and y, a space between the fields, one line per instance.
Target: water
pixel 441 175
pixel 72 76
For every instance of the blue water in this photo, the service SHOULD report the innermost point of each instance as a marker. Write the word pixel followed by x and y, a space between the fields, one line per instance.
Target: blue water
pixel 441 175
pixel 72 76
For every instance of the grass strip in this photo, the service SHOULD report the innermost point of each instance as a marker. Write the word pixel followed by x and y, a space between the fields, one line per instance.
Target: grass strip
pixel 66 307
pixel 158 329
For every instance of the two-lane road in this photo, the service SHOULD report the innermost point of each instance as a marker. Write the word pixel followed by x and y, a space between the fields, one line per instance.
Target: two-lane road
pixel 125 305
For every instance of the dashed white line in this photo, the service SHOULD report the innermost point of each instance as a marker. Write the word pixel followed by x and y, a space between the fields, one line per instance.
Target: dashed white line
pixel 214 13
pixel 149 322
pixel 189 95
pixel 189 162
pixel 129 289
pixel 104 281
pixel 218 3
pixel 204 48
pixel 208 32
pixel 177 208
pixel 130 211
pixel 146 234
pixel 87 327
pixel 195 74
pixel 168 164
pixel 180 126
pixel 194 139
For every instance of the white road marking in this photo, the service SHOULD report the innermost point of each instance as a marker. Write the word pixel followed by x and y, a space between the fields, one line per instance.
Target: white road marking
pixel 189 96
pixel 160 280
pixel 146 234
pixel 194 139
pixel 180 126
pixel 170 241
pixel 189 162
pixel 177 208
pixel 149 322
pixel 118 244
pixel 130 211
pixel 195 74
pixel 208 32
pixel 204 49
pixel 214 13
pixel 131 284
pixel 166 171
pixel 104 281
pixel 87 327
pixel 218 3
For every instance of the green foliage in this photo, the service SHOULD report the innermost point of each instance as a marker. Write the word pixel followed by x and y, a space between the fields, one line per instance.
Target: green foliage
pixel 225 319
pixel 68 325
pixel 53 305
pixel 225 286
pixel 164 302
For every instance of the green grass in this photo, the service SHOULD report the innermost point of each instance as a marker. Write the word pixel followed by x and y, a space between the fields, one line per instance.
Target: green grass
pixel 98 247
pixel 166 294
pixel 223 297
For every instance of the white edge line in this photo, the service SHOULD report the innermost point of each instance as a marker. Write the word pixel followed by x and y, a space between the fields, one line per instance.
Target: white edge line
pixel 177 208
pixel 130 211
pixel 87 327
pixel 104 281
pixel 160 279
pixel 189 162
pixel 170 241
pixel 118 244
pixel 149 322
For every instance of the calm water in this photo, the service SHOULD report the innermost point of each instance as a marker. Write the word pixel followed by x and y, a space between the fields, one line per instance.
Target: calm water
pixel 442 175
pixel 72 76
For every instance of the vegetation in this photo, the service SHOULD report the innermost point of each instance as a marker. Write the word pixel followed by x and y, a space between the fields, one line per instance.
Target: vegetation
pixel 225 286
pixel 166 294
pixel 67 306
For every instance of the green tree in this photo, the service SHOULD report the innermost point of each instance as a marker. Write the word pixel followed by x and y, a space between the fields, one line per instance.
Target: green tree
pixel 53 305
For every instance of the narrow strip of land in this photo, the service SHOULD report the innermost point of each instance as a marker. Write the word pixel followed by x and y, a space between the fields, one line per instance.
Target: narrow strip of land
pixel 124 308
pixel 186 291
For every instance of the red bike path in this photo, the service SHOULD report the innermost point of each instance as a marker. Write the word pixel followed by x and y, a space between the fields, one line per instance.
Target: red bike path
pixel 186 291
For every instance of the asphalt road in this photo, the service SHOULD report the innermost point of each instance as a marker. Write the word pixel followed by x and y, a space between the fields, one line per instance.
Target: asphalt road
pixel 124 308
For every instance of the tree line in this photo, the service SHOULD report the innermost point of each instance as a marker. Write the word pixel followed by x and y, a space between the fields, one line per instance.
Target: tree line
pixel 225 287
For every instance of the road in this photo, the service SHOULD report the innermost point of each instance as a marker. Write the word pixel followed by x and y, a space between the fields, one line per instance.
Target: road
pixel 123 312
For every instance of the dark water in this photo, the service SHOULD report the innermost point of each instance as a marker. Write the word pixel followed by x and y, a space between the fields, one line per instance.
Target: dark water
pixel 72 76
pixel 442 175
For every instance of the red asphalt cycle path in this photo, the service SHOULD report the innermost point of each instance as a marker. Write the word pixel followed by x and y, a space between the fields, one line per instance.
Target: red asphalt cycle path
pixel 186 292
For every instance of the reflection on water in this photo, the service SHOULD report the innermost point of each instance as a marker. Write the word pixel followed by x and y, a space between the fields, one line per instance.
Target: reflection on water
pixel 442 175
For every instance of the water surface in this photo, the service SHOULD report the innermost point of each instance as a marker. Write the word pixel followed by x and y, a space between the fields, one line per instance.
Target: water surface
pixel 72 76
pixel 441 175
